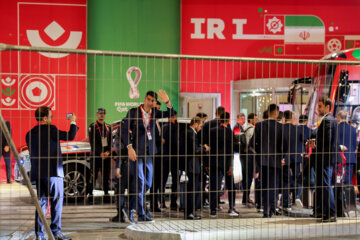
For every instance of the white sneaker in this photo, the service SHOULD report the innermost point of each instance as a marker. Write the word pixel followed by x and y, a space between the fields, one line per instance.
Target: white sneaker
pixel 298 203
pixel 233 213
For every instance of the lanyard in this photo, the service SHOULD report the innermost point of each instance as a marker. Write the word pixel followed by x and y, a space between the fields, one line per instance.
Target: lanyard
pixel 143 117
pixel 100 129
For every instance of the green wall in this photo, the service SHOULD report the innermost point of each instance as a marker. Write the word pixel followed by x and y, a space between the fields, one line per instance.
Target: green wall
pixel 131 26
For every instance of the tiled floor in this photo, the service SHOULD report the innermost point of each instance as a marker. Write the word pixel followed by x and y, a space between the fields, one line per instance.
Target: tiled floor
pixel 92 222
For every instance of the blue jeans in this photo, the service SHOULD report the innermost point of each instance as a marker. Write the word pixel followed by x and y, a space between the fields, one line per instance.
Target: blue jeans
pixel 52 187
pixel 141 175
pixel 296 184
pixel 325 200
pixel 349 168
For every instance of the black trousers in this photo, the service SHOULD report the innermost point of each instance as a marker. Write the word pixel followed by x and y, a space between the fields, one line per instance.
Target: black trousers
pixel 247 164
pixel 191 193
pixel 158 168
pixel 215 175
pixel 97 164
pixel 7 160
pixel 270 180
pixel 121 185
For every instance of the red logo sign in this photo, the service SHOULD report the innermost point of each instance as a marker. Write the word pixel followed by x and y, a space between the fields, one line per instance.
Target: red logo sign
pixel 36 91
pixel 52 25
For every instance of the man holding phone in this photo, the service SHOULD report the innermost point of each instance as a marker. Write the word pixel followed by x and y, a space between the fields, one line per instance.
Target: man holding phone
pixel 47 170
pixel 100 143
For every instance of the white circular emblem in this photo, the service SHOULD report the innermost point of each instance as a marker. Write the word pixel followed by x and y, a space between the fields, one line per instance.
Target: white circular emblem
pixel 36 91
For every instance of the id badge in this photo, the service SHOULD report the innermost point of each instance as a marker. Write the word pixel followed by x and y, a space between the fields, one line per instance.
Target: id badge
pixel 104 142
pixel 149 135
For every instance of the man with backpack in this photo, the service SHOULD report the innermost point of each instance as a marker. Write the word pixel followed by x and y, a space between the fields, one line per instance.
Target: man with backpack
pixel 247 158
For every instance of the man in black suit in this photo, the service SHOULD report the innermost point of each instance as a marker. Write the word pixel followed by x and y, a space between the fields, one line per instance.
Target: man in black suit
pixel 268 147
pixel 304 132
pixel 347 137
pixel 171 151
pixel 221 164
pixel 205 135
pixel 5 152
pixel 325 160
pixel 47 171
pixel 258 204
pixel 141 145
pixel 290 143
pixel 100 139
pixel 192 167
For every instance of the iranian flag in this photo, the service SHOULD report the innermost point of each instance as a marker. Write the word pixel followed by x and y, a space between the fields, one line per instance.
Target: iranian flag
pixel 304 35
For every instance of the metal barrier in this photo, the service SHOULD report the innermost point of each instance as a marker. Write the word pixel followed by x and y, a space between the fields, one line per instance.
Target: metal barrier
pixel 140 154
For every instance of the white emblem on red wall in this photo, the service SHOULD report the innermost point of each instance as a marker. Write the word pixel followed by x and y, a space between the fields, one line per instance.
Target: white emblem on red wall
pixel 36 91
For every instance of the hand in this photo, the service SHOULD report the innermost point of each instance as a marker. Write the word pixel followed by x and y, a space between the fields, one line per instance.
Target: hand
pixel 356 190
pixel 343 148
pixel 230 172
pixel 117 173
pixel 72 118
pixel 163 96
pixel 256 175
pixel 283 162
pixel 132 153
pixel 6 148
pixel 104 155
pixel 163 141
pixel 207 148
pixel 312 143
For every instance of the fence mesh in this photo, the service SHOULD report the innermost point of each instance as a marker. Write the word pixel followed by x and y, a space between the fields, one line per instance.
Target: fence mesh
pixel 249 147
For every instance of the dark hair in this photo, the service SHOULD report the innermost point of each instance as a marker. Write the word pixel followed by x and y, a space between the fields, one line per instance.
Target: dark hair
pixel 251 116
pixel 225 117
pixel 151 94
pixel 326 101
pixel 42 112
pixel 280 116
pixel 288 115
pixel 158 102
pixel 201 115
pixel 272 108
pixel 303 118
pixel 220 110
pixel 195 120
pixel 265 115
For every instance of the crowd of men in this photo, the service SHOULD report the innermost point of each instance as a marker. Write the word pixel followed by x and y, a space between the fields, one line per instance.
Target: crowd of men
pixel 276 154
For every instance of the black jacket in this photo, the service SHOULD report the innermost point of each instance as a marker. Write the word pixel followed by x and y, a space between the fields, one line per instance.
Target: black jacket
pixel 45 151
pixel 221 147
pixel 327 141
pixel 193 151
pixel 3 139
pixel 268 143
pixel 96 132
pixel 138 138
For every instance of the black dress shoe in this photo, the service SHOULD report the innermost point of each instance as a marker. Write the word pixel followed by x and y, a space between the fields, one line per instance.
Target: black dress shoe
pixel 60 236
pixel 156 209
pixel 328 219
pixel 174 207
pixel 118 218
pixel 8 181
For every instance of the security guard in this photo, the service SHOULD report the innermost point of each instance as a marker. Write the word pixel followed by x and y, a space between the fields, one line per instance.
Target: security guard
pixel 100 142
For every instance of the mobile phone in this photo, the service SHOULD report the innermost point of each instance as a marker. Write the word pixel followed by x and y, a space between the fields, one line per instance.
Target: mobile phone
pixel 69 115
